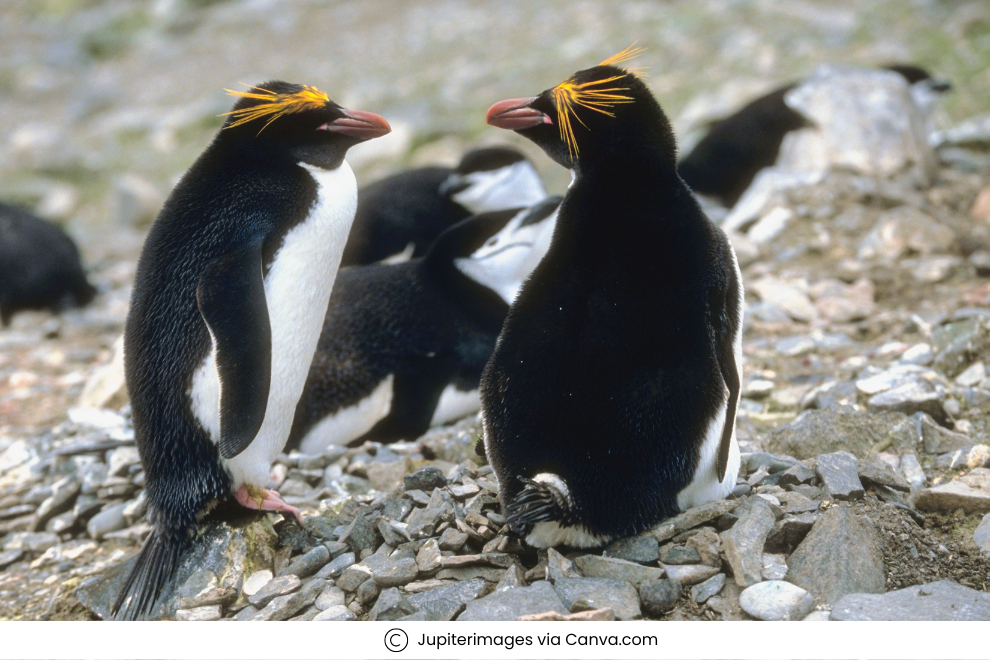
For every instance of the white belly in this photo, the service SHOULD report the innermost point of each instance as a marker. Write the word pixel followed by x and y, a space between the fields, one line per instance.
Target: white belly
pixel 455 404
pixel 350 423
pixel 297 291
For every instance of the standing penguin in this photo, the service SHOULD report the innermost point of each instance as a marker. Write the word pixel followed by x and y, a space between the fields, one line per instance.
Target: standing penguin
pixel 401 215
pixel 403 345
pixel 229 298
pixel 609 403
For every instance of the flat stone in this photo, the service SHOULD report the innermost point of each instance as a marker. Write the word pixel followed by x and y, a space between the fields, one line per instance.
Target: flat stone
pixel 692 518
pixel 385 477
pixel 353 577
pixel 514 577
pixel 282 608
pixel 981 536
pixel 213 596
pixel 510 604
pixel 680 555
pixel 642 549
pixel 840 475
pixel 871 474
pixel 396 573
pixel 689 574
pixel 275 587
pixel 659 596
pixel 367 593
pixel 204 613
pixel 428 557
pixel 937 438
pixel 64 493
pixel 971 493
pixel 330 597
pixel 708 545
pixel 616 569
pixel 446 602
pixel 335 613
pixel 742 545
pixel 841 555
pixel 913 473
pixel 774 566
pixel 839 428
pixel 776 600
pixel 559 566
pixel 391 606
pixel 579 594
pixel 109 520
pixel 972 456
pixel 425 479
pixel 470 572
pixel 30 542
pixel 604 614
pixel 337 566
pixel 452 539
pixel 910 398
pixel 798 474
pixel 308 563
pixel 701 592
pixel 938 601
pixel 8 557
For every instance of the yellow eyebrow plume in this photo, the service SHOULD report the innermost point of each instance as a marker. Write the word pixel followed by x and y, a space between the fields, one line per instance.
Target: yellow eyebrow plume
pixel 591 95
pixel 275 105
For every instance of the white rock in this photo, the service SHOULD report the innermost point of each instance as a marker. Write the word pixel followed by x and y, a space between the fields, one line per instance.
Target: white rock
pixel 912 471
pixel 921 354
pixel 256 581
pixel 770 225
pixel 107 381
pixel 973 375
pixel 776 600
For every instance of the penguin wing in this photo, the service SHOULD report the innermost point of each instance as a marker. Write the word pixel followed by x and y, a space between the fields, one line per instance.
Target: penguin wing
pixel 729 323
pixel 231 298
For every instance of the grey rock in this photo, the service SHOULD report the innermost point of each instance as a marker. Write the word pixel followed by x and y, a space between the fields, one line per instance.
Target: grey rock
pixel 337 566
pixel 395 573
pixel 968 457
pixel 282 608
pixel 203 613
pixel 776 600
pixel 335 613
pixel 680 555
pixel 109 520
pixel 452 539
pixel 64 493
pixel 642 549
pixel 834 429
pixel 510 604
pixel 971 493
pixel 772 462
pixel 616 569
pixel 212 595
pixel 798 474
pixel 30 542
pixel 246 614
pixel 708 545
pixel 8 557
pixel 692 518
pixel 330 597
pixel 559 566
pixel 689 574
pixel 743 544
pixel 470 572
pixel 580 594
pixel 701 592
pixel 872 474
pixel 360 534
pixel 840 476
pixel 659 596
pixel 774 566
pixel 841 555
pixel 367 592
pixel 425 479
pixel 905 228
pixel 514 577
pixel 912 471
pixel 910 398
pixel 428 557
pixel 391 605
pixel 308 563
pixel 938 601
pixel 938 439
pixel 445 603
pixel 353 576
pixel 981 536
pixel 279 586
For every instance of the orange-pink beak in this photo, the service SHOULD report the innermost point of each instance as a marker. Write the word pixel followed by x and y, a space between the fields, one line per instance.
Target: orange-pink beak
pixel 515 114
pixel 359 124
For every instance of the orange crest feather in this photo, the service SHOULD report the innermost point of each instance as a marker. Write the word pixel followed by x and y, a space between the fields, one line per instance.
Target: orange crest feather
pixel 275 105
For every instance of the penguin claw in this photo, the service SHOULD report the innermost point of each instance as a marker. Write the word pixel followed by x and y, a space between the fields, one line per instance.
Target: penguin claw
pixel 263 499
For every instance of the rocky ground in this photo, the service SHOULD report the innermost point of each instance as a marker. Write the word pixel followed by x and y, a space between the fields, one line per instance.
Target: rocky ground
pixel 865 419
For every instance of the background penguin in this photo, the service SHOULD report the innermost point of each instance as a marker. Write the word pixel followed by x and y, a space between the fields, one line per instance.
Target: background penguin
pixel 724 163
pixel 39 266
pixel 609 402
pixel 229 298
pixel 403 345
pixel 404 213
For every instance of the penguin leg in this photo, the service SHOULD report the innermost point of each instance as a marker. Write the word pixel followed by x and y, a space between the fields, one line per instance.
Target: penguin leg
pixel 263 499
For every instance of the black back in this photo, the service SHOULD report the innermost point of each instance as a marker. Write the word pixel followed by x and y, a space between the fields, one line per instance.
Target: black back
pixel 39 266
pixel 608 366
pixel 423 321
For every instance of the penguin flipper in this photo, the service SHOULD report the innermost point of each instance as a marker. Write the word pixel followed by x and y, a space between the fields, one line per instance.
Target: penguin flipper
pixel 154 567
pixel 731 377
pixel 231 298
pixel 536 502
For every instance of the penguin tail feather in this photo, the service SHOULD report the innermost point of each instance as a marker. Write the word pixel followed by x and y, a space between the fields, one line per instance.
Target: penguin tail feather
pixel 154 567
pixel 536 502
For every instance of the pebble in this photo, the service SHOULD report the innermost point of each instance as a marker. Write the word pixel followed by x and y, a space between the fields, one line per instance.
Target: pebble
pixel 367 592
pixel 912 471
pixel 425 479
pixel 30 542
pixel 910 398
pixel 937 438
pixel 840 476
pixel 701 592
pixel 330 597
pixel 616 569
pixel 971 493
pixel 109 520
pixel 691 518
pixel 428 557
pixel 452 539
pixel 774 566
pixel 8 557
pixel 579 594
pixel 680 555
pixel 510 604
pixel 641 549
pixel 707 544
pixel 395 573
pixel 274 588
pixel 446 602
pixel 659 596
pixel 282 608
pixel 308 563
pixel 337 565
pixel 391 606
pixel 335 613
pixel 690 574
pixel 204 613
pixel 743 544
pixel 981 536
pixel 938 601
pixel 840 555
pixel 972 456
pixel 776 600
pixel 353 576
pixel 559 566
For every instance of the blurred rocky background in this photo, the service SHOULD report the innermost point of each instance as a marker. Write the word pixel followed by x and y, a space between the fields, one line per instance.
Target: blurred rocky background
pixel 865 421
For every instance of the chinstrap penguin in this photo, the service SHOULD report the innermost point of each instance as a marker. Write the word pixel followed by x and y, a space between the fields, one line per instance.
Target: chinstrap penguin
pixel 229 297
pixel 401 215
pixel 403 345
pixel 39 266
pixel 609 402
pixel 723 164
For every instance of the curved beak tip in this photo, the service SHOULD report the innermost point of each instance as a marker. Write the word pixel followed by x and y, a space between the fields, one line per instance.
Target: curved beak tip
pixel 515 114
pixel 360 124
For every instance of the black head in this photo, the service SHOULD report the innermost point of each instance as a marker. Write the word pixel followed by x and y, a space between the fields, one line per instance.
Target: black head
pixel 486 159
pixel 596 113
pixel 300 121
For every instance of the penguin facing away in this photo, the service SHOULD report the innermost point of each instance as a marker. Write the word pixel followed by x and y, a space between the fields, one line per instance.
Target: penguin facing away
pixel 229 298
pixel 400 216
pixel 609 402
pixel 724 163
pixel 403 345
pixel 39 266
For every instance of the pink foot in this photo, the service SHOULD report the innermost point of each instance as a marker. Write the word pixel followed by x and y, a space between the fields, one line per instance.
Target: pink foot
pixel 263 499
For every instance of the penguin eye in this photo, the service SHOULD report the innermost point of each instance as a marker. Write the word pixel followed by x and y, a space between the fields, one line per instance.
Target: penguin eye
pixel 492 242
pixel 324 127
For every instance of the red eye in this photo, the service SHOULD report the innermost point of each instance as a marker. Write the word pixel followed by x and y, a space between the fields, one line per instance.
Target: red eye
pixel 324 127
